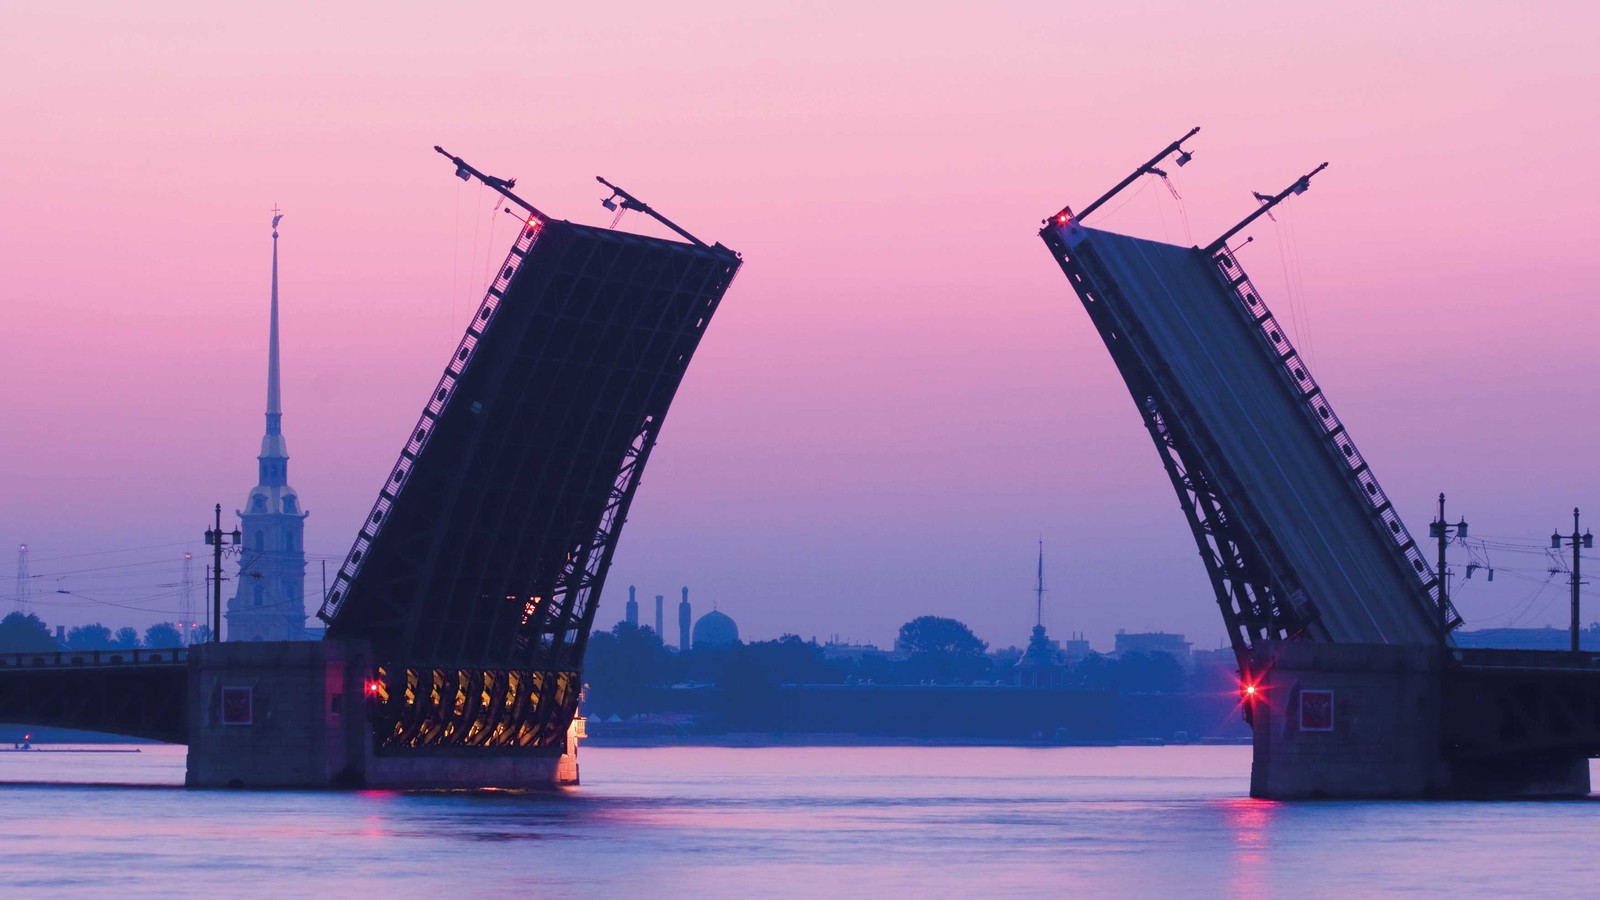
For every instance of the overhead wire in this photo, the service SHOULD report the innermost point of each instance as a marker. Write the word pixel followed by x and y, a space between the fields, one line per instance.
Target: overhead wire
pixel 488 246
pixel 1143 186
pixel 455 263
pixel 1183 211
pixel 1301 340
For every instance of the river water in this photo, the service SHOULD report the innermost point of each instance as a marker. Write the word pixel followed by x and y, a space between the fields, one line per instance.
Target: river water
pixel 783 821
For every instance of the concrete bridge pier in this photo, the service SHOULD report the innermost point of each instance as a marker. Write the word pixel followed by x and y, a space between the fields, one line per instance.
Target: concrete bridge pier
pixel 294 714
pixel 1335 721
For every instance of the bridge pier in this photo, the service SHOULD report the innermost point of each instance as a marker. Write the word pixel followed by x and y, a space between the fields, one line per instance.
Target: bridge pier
pixel 1384 721
pixel 295 715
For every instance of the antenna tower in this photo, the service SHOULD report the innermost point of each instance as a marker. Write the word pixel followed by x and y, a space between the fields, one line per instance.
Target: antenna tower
pixel 1038 591
pixel 186 601
pixel 22 579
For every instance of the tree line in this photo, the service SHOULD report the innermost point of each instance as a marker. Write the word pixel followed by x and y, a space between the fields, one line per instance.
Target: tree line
pixel 625 667
pixel 27 633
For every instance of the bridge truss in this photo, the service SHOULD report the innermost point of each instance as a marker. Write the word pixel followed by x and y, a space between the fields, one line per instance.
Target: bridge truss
pixel 477 573
pixel 1297 538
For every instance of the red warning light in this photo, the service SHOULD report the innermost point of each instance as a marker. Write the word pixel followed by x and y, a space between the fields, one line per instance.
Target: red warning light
pixel 1062 219
pixel 1249 692
pixel 372 688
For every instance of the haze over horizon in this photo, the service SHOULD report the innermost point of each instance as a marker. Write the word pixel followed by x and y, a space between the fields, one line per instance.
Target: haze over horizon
pixel 900 395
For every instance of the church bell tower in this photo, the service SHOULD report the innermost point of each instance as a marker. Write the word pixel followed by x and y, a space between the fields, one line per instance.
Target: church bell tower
pixel 269 601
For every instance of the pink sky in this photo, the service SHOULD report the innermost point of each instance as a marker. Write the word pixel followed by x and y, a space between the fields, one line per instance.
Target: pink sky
pixel 900 394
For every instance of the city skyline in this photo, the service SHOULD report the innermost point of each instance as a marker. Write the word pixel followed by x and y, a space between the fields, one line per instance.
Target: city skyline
pixel 901 396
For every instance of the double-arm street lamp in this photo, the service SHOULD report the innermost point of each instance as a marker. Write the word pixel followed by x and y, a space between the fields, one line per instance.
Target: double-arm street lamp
pixel 1586 541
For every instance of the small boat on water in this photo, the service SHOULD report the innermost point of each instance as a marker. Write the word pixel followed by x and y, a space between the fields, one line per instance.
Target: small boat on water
pixel 26 746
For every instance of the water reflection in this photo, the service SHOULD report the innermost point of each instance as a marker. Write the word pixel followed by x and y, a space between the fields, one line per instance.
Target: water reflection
pixel 1250 822
pixel 887 821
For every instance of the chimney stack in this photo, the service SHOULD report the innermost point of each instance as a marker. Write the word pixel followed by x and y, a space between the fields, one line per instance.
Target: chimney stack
pixel 633 607
pixel 660 625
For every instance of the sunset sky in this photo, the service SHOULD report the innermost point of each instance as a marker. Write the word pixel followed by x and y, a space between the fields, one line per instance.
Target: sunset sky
pixel 900 395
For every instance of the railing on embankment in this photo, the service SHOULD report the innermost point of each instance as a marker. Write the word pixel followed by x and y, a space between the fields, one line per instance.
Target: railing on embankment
pixel 77 659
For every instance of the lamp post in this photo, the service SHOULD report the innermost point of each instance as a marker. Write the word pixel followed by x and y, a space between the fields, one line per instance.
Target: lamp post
pixel 1441 529
pixel 215 537
pixel 1586 541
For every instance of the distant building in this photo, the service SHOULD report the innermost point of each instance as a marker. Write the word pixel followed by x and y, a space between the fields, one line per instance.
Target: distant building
pixel 853 653
pixel 269 602
pixel 1041 665
pixel 632 610
pixel 1222 657
pixel 683 622
pixel 715 629
pixel 1529 638
pixel 1153 642
pixel 1076 648
pixel 661 625
pixel 1003 658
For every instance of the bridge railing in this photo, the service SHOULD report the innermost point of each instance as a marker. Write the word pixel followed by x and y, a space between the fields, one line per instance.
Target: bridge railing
pixel 1511 658
pixel 77 659
pixel 1317 407
pixel 418 438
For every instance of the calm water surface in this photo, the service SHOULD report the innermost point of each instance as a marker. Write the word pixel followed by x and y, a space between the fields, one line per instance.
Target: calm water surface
pixel 867 821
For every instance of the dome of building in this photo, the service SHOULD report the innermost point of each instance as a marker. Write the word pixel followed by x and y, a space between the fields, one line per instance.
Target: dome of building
pixel 715 629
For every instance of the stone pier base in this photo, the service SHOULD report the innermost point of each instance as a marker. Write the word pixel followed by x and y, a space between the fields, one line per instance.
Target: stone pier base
pixel 293 714
pixel 1370 721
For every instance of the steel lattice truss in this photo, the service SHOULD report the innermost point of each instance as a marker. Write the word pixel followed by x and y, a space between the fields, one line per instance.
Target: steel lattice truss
pixel 1260 581
pixel 489 543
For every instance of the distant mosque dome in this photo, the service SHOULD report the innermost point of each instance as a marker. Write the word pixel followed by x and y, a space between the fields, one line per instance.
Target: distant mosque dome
pixel 715 629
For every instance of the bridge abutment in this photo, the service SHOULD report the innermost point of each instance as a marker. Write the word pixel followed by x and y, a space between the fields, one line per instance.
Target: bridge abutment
pixel 1345 721
pixel 295 714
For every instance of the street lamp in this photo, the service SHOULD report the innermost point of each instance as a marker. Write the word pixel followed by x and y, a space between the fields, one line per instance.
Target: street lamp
pixel 1586 541
pixel 215 538
pixel 1441 529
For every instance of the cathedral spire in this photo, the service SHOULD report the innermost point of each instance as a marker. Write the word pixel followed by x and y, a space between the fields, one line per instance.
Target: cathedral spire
pixel 274 399
pixel 274 456
pixel 269 602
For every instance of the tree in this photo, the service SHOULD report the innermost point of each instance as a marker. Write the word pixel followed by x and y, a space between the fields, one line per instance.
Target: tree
pixel 936 634
pixel 791 660
pixel 127 639
pixel 21 633
pixel 621 665
pixel 749 690
pixel 1151 673
pixel 1094 672
pixel 942 649
pixel 89 637
pixel 162 635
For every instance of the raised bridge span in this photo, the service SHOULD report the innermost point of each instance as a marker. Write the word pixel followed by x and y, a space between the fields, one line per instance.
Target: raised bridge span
pixel 457 624
pixel 1341 628
pixel 1290 517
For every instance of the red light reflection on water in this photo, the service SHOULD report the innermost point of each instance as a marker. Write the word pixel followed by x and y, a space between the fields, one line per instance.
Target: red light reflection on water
pixel 1250 823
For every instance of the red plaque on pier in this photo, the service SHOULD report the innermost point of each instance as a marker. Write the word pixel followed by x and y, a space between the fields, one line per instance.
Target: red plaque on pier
pixel 237 706
pixel 1316 710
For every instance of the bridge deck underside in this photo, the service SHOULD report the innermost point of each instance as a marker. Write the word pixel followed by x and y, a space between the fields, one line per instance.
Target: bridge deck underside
pixel 504 516
pixel 1507 703
pixel 1181 323
pixel 144 701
